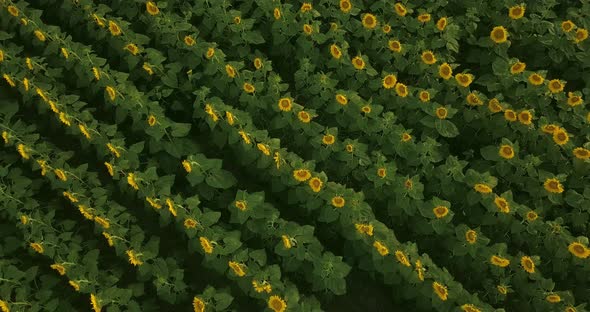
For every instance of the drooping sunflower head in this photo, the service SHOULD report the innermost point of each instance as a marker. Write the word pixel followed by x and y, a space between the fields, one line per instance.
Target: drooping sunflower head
pixel 581 35
pixel 440 290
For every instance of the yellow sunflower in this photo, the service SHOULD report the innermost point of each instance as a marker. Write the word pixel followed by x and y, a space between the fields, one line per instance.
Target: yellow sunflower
pixel 499 34
pixel 369 21
pixel 428 57
pixel 445 71
pixel 516 12
pixel 553 185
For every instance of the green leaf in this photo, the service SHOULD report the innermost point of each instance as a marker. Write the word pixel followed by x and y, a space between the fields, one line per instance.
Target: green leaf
pixel 221 179
pixel 180 129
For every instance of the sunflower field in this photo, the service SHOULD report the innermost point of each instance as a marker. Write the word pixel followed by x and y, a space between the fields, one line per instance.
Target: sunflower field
pixel 267 155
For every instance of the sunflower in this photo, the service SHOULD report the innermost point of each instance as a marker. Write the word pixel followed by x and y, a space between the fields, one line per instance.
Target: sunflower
pixel 536 79
pixel 328 139
pixel 364 228
pixel 304 117
pixel 506 151
pixel 276 13
pixel 527 264
pixel 338 201
pixel 287 243
pixel 190 223
pixel 134 258
pixel 556 86
pixel 400 9
pixel 248 87
pixel 567 26
pixel 12 10
pixel 114 29
pixel 389 81
pixel 502 204
pixel 499 261
pixel 206 244
pixel 381 248
pixel 441 24
pixel 301 175
pixel 560 136
pixel 494 106
pixel 285 104
pixel 237 268
pixel 152 8
pixel 210 53
pixel 424 17
pixel 395 46
pixel 306 7
pixel 277 304
pixel 409 185
pixel 366 109
pixel 440 211
pixel 445 71
pixel 502 289
pixel 39 34
pixel 553 185
pixel 369 21
pixel 230 71
pixel 341 99
pixel 441 113
pixel 464 80
pixel 581 153
pixel 358 62
pixel 95 302
pixel 424 96
pixel 386 28
pixel 406 137
pixel 315 184
pixel 428 57
pixel 473 99
pixel 553 298
pixel 549 128
pixel 525 117
pixel 198 304
pixel 517 68
pixel 499 34
pixel 401 89
pixel 189 41
pixel 37 247
pixel 307 29
pixel 482 188
pixel 531 216
pixel 335 51
pixel 516 12
pixel 402 258
pixel 349 148
pixel 574 100
pixel 345 6
pixel 382 172
pixel 581 35
pixel 510 115
pixel 471 236
pixel 440 290
pixel 469 308
pixel 578 250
